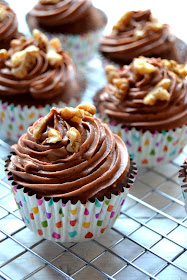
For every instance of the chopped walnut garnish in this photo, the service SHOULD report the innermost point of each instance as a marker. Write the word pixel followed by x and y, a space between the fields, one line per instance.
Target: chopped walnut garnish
pixel 24 61
pixel 142 67
pixel 75 140
pixel 111 73
pixel 89 109
pixel 49 1
pixel 55 43
pixel 159 92
pixel 40 38
pixel 3 13
pixel 73 114
pixel 122 87
pixel 123 21
pixel 39 128
pixel 54 136
pixel 17 43
pixel 155 26
pixel 54 58
pixel 139 34
pixel 178 69
pixel 4 54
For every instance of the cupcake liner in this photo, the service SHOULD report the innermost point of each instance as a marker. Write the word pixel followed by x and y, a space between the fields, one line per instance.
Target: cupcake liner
pixel 67 222
pixel 151 149
pixel 15 120
pixel 183 184
pixel 81 47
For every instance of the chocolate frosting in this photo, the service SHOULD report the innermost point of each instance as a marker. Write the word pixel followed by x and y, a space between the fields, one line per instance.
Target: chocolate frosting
pixel 183 175
pixel 63 12
pixel 123 45
pixel 8 27
pixel 42 82
pixel 133 112
pixel 100 167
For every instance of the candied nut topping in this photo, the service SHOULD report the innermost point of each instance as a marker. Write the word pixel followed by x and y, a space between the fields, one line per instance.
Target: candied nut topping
pixel 54 58
pixel 3 13
pixel 55 43
pixel 73 114
pixel 54 136
pixel 159 92
pixel 178 69
pixel 139 33
pixel 24 61
pixel 142 67
pixel 49 1
pixel 89 109
pixel 39 128
pixel 4 54
pixel 75 140
pixel 122 87
pixel 111 73
pixel 40 38
pixel 123 21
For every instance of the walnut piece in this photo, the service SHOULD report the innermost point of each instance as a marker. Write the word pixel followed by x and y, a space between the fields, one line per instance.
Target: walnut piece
pixel 155 26
pixel 4 54
pixel 179 69
pixel 89 109
pixel 73 114
pixel 24 61
pixel 40 38
pixel 54 136
pixel 49 1
pixel 142 67
pixel 123 21
pixel 139 34
pixel 39 128
pixel 75 140
pixel 54 58
pixel 122 87
pixel 159 92
pixel 55 43
pixel 111 73
pixel 3 13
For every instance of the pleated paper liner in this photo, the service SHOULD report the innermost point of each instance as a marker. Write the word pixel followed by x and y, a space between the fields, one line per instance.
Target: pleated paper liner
pixel 150 149
pixel 63 221
pixel 183 183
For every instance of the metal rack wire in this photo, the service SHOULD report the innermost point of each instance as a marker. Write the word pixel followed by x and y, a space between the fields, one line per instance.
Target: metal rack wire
pixel 148 240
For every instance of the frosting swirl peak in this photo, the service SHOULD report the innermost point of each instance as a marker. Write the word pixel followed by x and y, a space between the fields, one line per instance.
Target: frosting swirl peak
pixel 45 164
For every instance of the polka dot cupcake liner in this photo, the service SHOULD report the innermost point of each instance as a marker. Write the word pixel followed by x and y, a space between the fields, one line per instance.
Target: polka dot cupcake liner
pixel 183 183
pixel 151 149
pixel 82 47
pixel 14 120
pixel 67 222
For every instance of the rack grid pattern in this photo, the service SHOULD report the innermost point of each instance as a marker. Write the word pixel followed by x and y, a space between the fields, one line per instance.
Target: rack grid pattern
pixel 148 240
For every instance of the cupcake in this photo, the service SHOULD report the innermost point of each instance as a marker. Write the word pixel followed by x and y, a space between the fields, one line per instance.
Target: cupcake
pixel 70 175
pixel 139 33
pixel 146 104
pixel 183 182
pixel 34 74
pixel 8 25
pixel 77 24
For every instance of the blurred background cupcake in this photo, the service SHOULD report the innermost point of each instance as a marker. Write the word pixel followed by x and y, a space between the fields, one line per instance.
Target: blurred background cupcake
pixel 78 25
pixel 70 175
pixel 8 25
pixel 34 75
pixel 183 182
pixel 140 33
pixel 146 104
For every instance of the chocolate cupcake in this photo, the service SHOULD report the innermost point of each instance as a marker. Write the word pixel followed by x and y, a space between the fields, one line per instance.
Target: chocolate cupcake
pixel 70 175
pixel 183 182
pixel 146 103
pixel 34 75
pixel 139 33
pixel 8 25
pixel 77 24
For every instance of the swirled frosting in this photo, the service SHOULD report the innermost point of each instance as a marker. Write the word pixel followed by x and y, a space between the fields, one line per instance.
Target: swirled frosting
pixel 183 175
pixel 137 99
pixel 60 13
pixel 8 23
pixel 138 33
pixel 99 167
pixel 35 73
